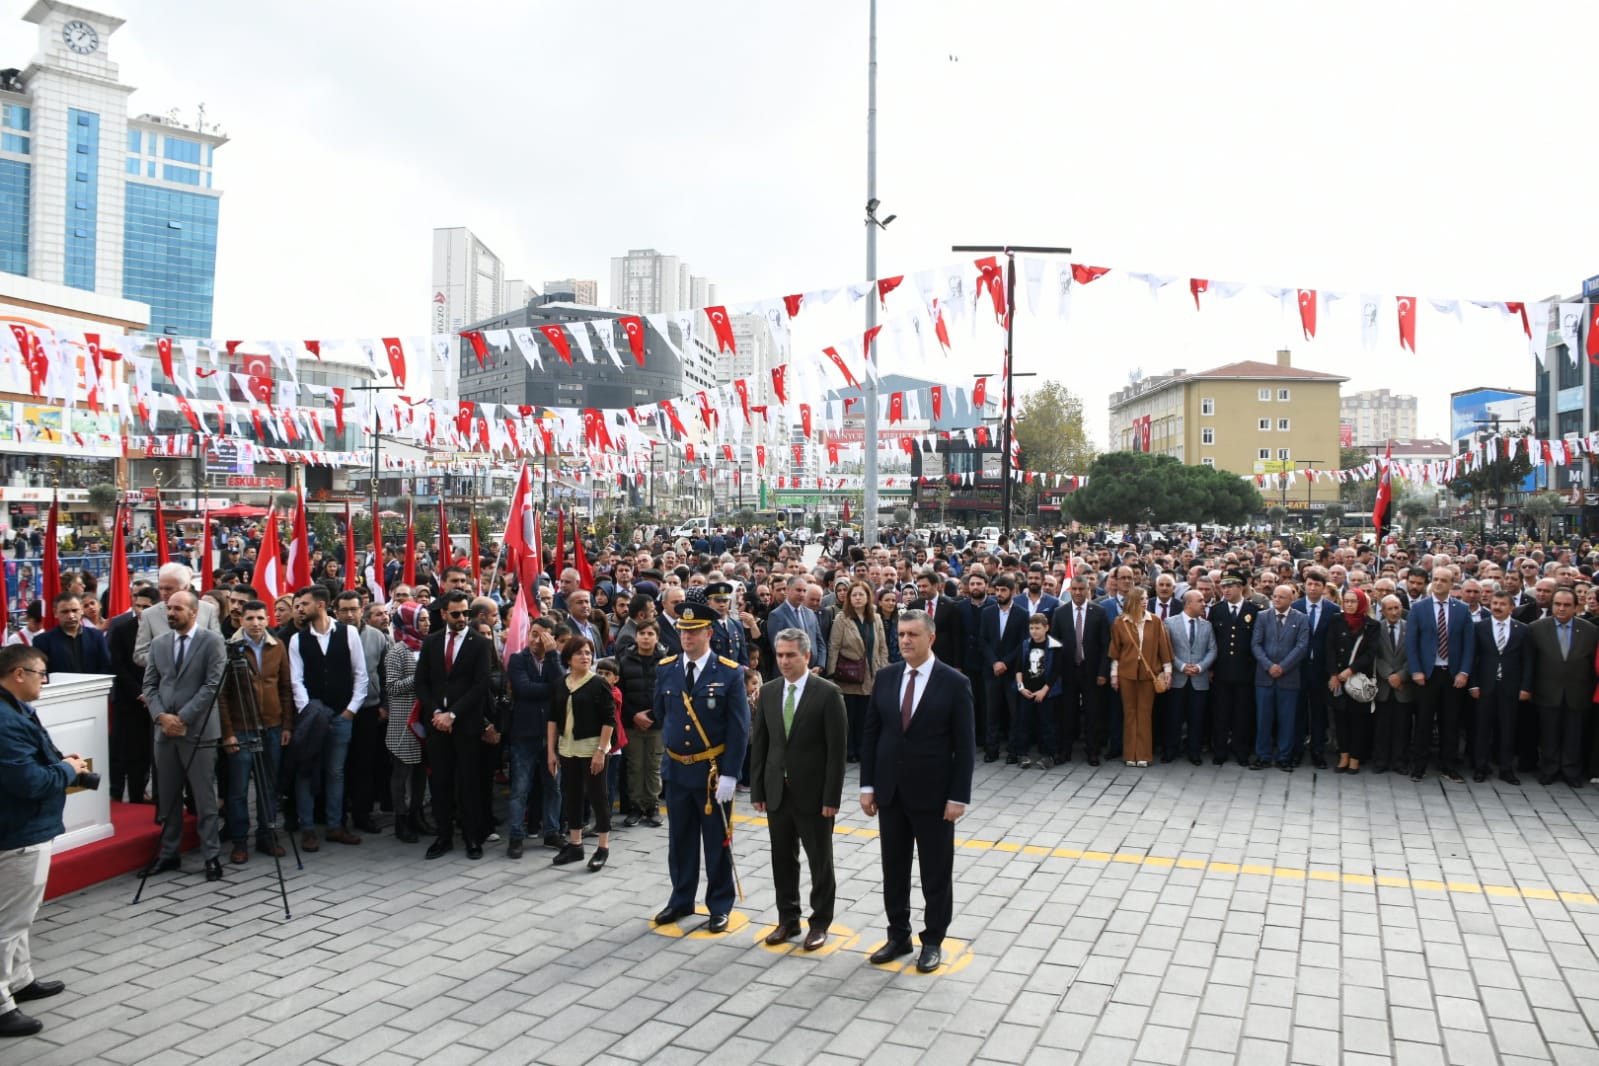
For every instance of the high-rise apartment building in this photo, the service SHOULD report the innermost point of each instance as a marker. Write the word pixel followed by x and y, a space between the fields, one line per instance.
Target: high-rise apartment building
pixel 94 198
pixel 1378 415
pixel 517 293
pixel 583 291
pixel 468 286
pixel 645 282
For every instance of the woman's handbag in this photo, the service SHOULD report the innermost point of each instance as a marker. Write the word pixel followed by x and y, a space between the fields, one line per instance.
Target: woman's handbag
pixel 849 671
pixel 1362 688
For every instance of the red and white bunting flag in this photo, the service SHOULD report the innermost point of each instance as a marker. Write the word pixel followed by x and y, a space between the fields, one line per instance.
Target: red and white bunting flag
pixel 896 407
pixel 780 383
pixel 805 418
pixel 1307 312
pixel 838 361
pixel 633 326
pixel 722 328
pixel 791 304
pixel 991 277
pixel 886 286
pixel 557 338
pixel 396 354
pixel 1407 323
pixel 938 402
pixel 980 394
pixel 480 348
pixel 741 387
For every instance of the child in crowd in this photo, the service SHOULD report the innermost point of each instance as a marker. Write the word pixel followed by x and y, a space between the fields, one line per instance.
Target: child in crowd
pixel 1037 686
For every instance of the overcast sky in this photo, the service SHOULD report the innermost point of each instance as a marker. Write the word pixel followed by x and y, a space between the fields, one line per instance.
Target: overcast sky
pixel 1420 149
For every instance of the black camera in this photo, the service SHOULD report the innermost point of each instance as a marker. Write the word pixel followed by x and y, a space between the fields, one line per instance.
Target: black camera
pixel 87 780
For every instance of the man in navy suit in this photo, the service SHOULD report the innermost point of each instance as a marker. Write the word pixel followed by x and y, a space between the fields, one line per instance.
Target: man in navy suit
pixel 1501 683
pixel 1280 640
pixel 1034 599
pixel 1001 629
pixel 1084 634
pixel 917 755
pixel 1310 716
pixel 1440 647
pixel 72 647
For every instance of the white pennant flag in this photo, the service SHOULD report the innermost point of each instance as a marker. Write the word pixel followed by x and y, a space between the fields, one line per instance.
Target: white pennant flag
pixel 1370 313
pixel 1033 279
pixel 442 348
pixel 1570 326
pixel 1539 315
pixel 1446 307
pixel 1063 290
pixel 685 329
pixel 953 291
pixel 581 335
pixel 605 329
pixel 1156 282
pixel 523 338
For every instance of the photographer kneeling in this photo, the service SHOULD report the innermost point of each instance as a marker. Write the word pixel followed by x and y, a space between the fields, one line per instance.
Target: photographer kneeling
pixel 34 778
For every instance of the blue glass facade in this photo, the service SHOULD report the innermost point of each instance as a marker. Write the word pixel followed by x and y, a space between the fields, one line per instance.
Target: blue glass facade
pixel 170 256
pixel 83 185
pixel 15 184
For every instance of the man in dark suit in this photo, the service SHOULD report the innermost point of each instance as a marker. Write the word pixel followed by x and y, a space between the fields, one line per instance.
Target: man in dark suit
pixel 917 755
pixel 949 638
pixel 131 752
pixel 72 647
pixel 1084 634
pixel 1501 682
pixel 793 614
pixel 456 701
pixel 1310 716
pixel 797 781
pixel 181 677
pixel 1540 605
pixel 1440 646
pixel 1396 696
pixel 1001 629
pixel 1232 708
pixel 1562 652
pixel 971 662
pixel 1279 642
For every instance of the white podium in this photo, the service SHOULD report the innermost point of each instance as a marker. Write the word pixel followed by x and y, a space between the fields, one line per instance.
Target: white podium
pixel 74 708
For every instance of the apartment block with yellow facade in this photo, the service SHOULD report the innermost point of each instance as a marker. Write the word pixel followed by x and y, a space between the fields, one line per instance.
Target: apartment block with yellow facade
pixel 1245 418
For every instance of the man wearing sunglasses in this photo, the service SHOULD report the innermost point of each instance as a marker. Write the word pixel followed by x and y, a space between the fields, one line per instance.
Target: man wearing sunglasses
pixel 456 700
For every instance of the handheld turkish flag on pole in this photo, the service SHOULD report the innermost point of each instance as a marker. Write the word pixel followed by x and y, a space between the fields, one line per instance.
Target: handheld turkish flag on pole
pixel 408 572
pixel 477 557
pixel 446 551
pixel 300 551
pixel 205 551
pixel 52 565
pixel 120 595
pixel 270 559
pixel 580 561
pixel 560 544
pixel 161 556
pixel 352 565
pixel 380 592
pixel 1385 495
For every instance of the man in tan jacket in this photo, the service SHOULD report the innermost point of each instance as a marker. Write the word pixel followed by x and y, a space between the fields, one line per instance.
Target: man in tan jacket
pixel 263 719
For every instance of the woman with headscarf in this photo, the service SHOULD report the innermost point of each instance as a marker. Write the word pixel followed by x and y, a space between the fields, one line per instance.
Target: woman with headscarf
pixel 407 776
pixel 1140 651
pixel 1352 649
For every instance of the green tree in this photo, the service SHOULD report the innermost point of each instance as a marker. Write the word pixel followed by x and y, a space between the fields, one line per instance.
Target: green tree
pixel 1052 437
pixel 1128 488
pixel 325 531
pixel 1332 514
pixel 1412 511
pixel 103 497
pixel 1356 495
pixel 1492 484
pixel 1276 513
pixel 1541 507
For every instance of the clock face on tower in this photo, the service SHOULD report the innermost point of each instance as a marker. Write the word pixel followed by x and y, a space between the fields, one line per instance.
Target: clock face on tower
pixel 81 37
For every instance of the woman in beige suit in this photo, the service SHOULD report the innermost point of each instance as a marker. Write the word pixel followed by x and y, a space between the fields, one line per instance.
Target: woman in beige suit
pixel 1140 649
pixel 856 649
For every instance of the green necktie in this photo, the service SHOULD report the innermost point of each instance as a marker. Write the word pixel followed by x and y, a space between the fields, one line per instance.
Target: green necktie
pixel 788 711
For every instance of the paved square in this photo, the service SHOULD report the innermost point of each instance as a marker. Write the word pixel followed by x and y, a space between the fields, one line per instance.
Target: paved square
pixel 1167 915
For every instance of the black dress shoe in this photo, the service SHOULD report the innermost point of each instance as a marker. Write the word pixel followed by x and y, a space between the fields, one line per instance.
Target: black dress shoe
pixel 668 915
pixel 815 938
pixel 1480 776
pixel 718 923
pixel 1317 761
pixel 15 1023
pixel 929 959
pixel 1379 769
pixel 568 855
pixel 1196 760
pixel 1258 764
pixel 1454 777
pixel 404 833
pixel 1286 767
pixel 1172 758
pixel 1510 779
pixel 1418 775
pixel 1217 761
pixel 555 840
pixel 1548 779
pixel 784 932
pixel 440 847
pixel 597 863
pixel 163 866
pixel 1093 760
pixel 365 824
pixel 890 951
pixel 631 820
pixel 213 870
pixel 990 756
pixel 1010 760
pixel 1575 782
pixel 513 848
pixel 474 850
pixel 39 990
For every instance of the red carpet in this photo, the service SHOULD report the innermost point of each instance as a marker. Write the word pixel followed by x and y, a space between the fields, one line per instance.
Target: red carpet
pixel 125 851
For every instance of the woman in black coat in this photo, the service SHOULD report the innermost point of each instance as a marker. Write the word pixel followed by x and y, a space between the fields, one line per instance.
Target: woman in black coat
pixel 1345 658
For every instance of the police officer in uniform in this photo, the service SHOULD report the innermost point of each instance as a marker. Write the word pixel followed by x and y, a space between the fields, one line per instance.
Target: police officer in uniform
pixel 727 631
pixel 699 698
pixel 1232 705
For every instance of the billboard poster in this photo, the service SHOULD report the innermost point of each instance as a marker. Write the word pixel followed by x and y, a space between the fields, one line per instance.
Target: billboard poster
pixel 1473 412
pixel 24 583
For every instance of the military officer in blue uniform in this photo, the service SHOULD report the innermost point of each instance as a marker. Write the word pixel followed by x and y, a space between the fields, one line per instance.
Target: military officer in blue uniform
pixel 699 698
pixel 727 631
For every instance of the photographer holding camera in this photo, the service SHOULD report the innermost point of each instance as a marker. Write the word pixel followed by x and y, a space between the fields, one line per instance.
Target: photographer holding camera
pixel 34 778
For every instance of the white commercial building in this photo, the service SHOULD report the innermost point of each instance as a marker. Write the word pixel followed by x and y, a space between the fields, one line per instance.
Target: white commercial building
pixel 645 282
pixel 468 286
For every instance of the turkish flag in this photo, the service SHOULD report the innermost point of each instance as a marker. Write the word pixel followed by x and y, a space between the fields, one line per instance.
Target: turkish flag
pixel 990 277
pixel 886 286
pixel 1593 336
pixel 838 361
pixel 38 366
pixel 1407 323
pixel 938 402
pixel 792 304
pixel 688 452
pixel 338 409
pixel 163 347
pixel 463 418
pixel 866 341
pixel 982 436
pixel 907 445
pixel 396 353
pixel 805 418
pixel 980 393
pixel 594 429
pixel 780 380
pixel 1521 309
pixel 633 326
pixel 760 455
pixel 671 417
pixel 480 347
pixel 92 340
pixel 557 338
pixel 1307 312
pixel 940 330
pixel 188 412
pixel 708 414
pixel 1197 286
pixel 832 453
pixel 315 348
pixel 727 452
pixel 1385 494
pixel 1144 432
pixel 722 328
pixel 741 387
pixel 1084 274
pixel 896 407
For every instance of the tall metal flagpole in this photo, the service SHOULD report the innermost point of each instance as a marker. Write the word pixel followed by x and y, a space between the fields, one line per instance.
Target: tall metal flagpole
pixel 869 388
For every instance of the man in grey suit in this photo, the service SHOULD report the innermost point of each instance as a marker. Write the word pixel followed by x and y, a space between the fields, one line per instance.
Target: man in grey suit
pixel 797 780
pixel 1562 651
pixel 173 577
pixel 793 614
pixel 1395 694
pixel 1193 649
pixel 180 685
pixel 1281 639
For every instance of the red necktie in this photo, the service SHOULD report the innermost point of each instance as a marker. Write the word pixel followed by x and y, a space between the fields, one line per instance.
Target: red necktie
pixel 449 653
pixel 907 701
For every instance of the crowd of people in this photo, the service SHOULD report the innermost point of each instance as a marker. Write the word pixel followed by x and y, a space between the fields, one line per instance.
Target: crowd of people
pixel 684 673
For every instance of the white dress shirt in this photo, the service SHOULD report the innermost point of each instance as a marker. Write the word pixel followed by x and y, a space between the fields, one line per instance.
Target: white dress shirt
pixel 357 665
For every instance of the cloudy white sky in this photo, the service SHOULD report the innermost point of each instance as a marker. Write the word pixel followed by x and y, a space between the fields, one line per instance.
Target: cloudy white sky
pixel 1429 149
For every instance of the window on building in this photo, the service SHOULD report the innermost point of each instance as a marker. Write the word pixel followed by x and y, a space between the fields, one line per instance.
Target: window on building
pixel 13 142
pixel 1283 454
pixel 16 117
pixel 1265 396
pixel 132 166
pixel 181 151
pixel 1282 395
pixel 134 139
pixel 1207 461
pixel 1265 454
pixel 1282 425
pixel 1207 406
pixel 185 175
pixel 1264 425
pixel 1207 436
